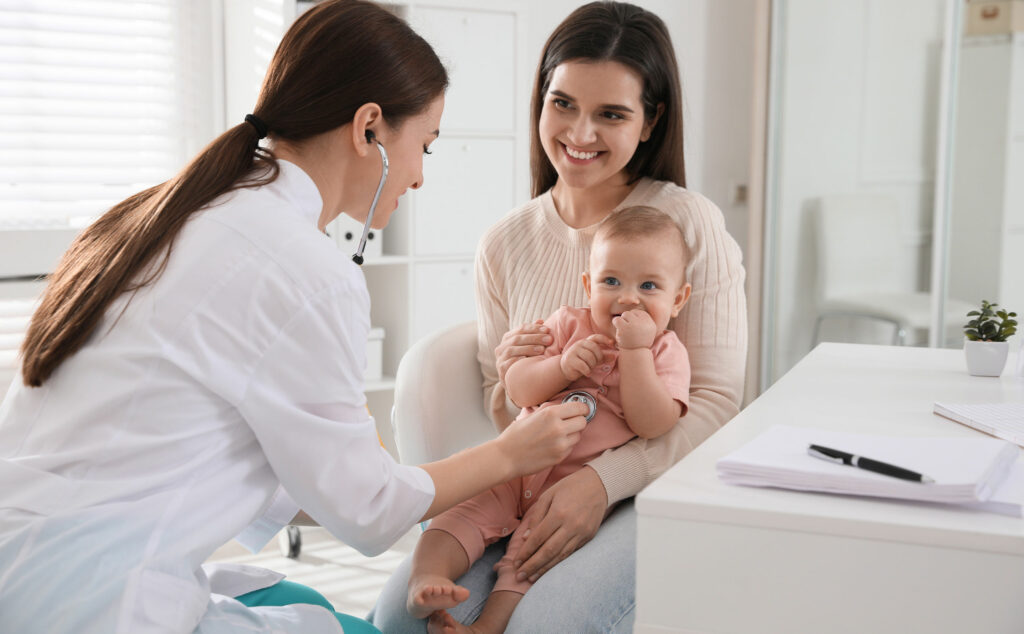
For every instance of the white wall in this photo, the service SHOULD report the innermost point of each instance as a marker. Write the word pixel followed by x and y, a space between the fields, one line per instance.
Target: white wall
pixel 728 94
pixel 858 113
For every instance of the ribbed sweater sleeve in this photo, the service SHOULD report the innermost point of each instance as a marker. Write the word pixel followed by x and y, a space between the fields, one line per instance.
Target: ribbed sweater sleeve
pixel 530 263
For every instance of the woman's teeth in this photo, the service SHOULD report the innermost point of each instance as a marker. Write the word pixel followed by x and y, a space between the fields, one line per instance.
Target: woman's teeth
pixel 585 156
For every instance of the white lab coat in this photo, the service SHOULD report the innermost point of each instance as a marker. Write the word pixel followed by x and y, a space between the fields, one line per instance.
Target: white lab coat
pixel 236 374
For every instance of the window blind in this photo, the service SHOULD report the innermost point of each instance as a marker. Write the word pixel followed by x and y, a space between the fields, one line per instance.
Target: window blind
pixel 92 104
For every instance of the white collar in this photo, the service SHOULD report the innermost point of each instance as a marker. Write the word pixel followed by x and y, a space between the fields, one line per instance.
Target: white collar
pixel 295 186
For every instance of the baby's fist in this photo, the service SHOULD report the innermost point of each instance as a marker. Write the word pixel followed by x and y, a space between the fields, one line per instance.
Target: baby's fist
pixel 634 329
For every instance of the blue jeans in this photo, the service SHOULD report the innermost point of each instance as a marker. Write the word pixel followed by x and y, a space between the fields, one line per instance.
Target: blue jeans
pixel 288 593
pixel 593 590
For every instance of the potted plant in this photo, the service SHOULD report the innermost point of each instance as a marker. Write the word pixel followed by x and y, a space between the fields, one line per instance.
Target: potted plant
pixel 986 346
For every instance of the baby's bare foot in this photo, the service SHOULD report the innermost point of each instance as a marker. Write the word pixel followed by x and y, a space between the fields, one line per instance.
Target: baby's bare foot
pixel 441 622
pixel 429 594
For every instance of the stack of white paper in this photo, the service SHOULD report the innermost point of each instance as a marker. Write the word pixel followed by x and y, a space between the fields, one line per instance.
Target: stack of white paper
pixel 965 470
pixel 1002 420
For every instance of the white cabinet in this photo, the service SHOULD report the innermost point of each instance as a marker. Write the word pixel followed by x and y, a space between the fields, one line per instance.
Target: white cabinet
pixel 987 251
pixel 442 294
pixel 421 279
pixel 466 189
pixel 478 49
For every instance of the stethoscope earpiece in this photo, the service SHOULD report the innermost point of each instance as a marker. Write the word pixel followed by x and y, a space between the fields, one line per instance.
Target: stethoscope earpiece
pixel 372 138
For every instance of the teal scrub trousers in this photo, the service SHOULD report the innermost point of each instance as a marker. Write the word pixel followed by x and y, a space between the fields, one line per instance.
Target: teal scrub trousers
pixel 287 593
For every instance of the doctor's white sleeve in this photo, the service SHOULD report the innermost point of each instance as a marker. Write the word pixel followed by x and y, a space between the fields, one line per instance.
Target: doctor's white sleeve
pixel 305 403
pixel 278 514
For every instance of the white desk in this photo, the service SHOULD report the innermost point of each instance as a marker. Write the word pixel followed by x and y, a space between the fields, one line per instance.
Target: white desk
pixel 719 558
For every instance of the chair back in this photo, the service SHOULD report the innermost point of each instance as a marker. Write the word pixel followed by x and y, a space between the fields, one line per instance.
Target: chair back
pixel 439 407
pixel 860 245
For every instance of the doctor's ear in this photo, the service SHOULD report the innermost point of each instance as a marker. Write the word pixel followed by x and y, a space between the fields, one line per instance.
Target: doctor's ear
pixel 366 118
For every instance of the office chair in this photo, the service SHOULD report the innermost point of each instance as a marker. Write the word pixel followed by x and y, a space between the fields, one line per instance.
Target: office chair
pixel 439 407
pixel 861 262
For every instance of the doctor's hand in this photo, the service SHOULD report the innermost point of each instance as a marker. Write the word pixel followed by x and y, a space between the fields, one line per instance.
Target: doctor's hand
pixel 528 340
pixel 563 519
pixel 544 438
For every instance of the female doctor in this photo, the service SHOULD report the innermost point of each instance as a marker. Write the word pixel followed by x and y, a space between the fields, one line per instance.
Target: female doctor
pixel 197 357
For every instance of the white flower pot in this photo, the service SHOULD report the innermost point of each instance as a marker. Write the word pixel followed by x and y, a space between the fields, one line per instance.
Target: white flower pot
pixel 986 358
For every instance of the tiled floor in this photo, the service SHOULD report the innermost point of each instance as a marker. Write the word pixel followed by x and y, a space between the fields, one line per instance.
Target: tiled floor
pixel 349 580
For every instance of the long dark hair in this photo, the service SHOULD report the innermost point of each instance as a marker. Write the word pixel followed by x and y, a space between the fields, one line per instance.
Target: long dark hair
pixel 336 57
pixel 638 39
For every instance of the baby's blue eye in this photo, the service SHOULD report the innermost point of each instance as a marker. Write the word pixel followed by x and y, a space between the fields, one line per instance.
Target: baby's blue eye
pixel 611 281
pixel 648 286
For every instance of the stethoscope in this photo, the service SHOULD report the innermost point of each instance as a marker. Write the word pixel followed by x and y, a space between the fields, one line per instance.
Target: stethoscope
pixel 370 138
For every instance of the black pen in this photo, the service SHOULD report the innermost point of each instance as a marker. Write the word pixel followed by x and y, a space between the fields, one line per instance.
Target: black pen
pixel 841 457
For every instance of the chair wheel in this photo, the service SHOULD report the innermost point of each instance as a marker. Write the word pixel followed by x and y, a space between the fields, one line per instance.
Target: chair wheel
pixel 290 541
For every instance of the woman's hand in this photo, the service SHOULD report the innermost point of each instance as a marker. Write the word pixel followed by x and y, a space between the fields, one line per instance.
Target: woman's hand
pixel 544 438
pixel 528 340
pixel 564 518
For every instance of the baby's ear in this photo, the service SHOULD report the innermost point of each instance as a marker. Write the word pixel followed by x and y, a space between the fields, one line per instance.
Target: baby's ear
pixel 681 297
pixel 586 284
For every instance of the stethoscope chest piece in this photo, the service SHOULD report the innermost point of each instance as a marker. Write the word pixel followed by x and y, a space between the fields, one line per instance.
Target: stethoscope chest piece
pixel 580 396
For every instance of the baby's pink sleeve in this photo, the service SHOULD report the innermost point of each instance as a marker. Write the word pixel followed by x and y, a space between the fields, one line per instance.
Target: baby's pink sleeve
pixel 672 364
pixel 562 323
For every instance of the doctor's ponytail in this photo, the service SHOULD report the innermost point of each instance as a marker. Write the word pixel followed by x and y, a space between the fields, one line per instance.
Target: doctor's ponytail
pixel 337 56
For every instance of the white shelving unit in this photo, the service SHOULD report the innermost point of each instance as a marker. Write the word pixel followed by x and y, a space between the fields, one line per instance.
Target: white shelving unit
pixel 422 280
pixel 987 253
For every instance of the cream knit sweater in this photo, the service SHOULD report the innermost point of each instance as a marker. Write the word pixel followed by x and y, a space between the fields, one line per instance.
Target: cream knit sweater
pixel 530 263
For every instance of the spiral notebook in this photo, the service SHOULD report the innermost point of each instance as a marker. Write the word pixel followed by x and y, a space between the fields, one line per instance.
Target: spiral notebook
pixel 1002 420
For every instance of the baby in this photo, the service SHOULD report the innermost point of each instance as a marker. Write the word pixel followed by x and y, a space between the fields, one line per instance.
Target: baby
pixel 618 358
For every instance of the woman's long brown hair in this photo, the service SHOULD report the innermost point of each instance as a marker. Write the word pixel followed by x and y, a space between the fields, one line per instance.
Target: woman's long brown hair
pixel 638 39
pixel 336 57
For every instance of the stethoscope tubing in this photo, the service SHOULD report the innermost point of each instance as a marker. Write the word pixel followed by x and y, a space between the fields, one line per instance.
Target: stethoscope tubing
pixel 358 257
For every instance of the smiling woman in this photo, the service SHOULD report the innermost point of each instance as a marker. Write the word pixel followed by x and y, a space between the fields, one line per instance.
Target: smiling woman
pixel 591 124
pixel 645 50
pixel 606 134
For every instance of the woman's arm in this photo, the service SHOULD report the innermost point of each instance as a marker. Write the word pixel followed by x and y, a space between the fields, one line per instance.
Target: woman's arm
pixel 528 445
